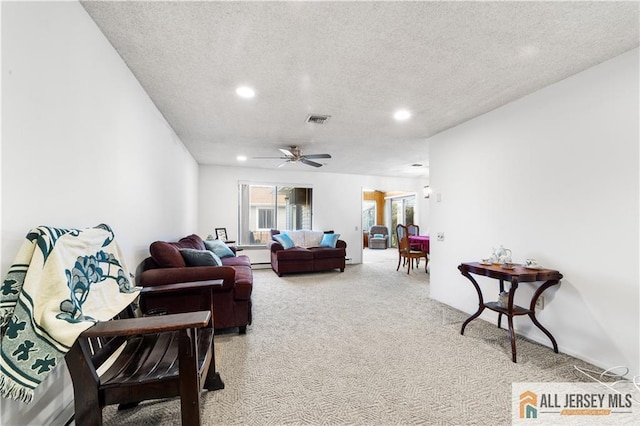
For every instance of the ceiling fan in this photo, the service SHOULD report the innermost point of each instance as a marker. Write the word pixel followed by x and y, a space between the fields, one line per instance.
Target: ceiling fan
pixel 294 155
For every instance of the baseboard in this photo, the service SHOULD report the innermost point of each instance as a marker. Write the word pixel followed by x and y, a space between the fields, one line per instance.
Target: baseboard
pixel 261 265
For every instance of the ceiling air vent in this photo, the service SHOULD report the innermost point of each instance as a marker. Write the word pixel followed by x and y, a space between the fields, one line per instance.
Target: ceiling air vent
pixel 317 119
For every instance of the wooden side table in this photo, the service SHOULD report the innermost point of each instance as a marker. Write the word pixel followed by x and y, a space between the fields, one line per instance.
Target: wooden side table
pixel 514 276
pixel 233 243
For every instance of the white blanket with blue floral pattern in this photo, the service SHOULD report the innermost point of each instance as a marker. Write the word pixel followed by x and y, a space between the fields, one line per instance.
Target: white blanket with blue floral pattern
pixel 61 283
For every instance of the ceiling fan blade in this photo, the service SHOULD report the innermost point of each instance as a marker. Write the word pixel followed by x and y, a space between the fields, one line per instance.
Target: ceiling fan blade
pixel 317 156
pixel 282 164
pixel 286 152
pixel 269 158
pixel 310 163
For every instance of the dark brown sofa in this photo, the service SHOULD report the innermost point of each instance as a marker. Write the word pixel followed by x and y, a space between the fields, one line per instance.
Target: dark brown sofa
pixel 306 259
pixel 225 290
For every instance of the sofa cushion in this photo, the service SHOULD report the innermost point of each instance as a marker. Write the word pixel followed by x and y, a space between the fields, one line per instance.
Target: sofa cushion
pixel 328 252
pixel 243 282
pixel 296 253
pixel 193 257
pixel 192 241
pixel 166 255
pixel 236 261
pixel 285 241
pixel 219 248
pixel 329 240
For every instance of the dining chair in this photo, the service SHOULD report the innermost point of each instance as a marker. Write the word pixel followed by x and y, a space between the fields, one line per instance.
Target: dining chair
pixel 405 252
pixel 414 230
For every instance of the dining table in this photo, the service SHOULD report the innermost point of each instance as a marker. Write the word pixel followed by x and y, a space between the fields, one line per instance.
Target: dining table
pixel 421 241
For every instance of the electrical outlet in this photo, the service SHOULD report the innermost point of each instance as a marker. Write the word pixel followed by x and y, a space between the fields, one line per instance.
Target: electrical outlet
pixel 440 236
pixel 540 303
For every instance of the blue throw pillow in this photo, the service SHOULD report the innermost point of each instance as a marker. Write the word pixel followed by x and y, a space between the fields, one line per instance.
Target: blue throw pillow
pixel 193 257
pixel 284 240
pixel 329 240
pixel 219 248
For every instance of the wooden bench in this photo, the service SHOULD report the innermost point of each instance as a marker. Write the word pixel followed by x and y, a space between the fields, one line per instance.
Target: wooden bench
pixel 162 356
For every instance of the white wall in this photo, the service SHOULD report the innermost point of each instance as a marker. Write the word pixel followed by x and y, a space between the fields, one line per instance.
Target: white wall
pixel 424 214
pixel 337 200
pixel 552 176
pixel 82 144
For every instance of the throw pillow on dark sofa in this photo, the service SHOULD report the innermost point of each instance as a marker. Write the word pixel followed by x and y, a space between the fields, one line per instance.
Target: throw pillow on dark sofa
pixel 193 257
pixel 219 248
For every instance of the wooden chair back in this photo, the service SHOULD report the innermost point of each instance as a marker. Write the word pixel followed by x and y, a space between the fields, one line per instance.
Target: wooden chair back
pixel 403 245
pixel 413 229
pixel 401 231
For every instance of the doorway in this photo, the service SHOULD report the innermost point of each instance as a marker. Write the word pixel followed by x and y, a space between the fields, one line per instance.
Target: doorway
pixel 373 212
pixel 388 208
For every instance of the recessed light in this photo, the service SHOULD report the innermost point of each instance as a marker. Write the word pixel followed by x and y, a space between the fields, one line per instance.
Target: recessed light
pixel 402 114
pixel 245 92
pixel 241 158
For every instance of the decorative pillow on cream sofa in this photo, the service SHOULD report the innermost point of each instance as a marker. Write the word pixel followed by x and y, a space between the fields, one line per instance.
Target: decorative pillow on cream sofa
pixel 285 240
pixel 329 240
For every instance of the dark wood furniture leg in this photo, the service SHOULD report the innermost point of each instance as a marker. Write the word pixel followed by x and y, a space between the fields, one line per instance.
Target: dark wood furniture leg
pixel 189 389
pixel 480 300
pixel 532 314
pixel 512 333
pixel 500 313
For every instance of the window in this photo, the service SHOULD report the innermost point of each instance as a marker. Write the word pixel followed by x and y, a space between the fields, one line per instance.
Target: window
pixel 265 219
pixel 265 207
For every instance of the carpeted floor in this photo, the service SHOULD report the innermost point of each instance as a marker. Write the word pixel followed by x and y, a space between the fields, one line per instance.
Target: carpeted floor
pixel 363 347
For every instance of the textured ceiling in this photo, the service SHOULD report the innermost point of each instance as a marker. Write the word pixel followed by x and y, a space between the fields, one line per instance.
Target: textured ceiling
pixel 447 62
